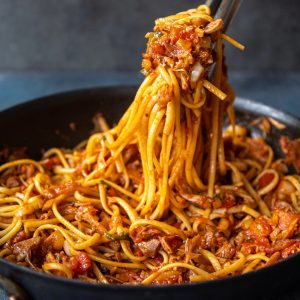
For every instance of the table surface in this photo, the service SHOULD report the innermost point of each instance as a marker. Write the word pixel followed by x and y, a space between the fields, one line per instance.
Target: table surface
pixel 278 89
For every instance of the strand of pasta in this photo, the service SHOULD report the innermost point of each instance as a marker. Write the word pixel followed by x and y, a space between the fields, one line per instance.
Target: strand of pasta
pixel 21 162
pixel 48 267
pixel 201 273
pixel 161 225
pixel 215 119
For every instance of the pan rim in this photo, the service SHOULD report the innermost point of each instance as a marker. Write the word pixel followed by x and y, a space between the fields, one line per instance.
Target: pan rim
pixel 208 283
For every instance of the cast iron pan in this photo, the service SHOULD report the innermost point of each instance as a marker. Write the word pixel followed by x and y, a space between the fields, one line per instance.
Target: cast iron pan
pixel 44 123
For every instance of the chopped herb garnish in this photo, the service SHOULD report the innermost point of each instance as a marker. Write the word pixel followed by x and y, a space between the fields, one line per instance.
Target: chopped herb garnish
pixel 145 72
pixel 114 237
pixel 218 196
pixel 158 34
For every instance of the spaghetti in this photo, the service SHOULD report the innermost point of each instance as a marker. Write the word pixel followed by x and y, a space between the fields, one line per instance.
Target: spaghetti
pixel 163 197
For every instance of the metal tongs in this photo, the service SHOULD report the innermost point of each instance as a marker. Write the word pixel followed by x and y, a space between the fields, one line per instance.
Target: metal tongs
pixel 224 9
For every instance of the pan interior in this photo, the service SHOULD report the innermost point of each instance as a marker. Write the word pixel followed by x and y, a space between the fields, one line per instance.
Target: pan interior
pixel 64 120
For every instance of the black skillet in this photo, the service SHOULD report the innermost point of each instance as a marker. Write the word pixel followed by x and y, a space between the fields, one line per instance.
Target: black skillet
pixel 45 122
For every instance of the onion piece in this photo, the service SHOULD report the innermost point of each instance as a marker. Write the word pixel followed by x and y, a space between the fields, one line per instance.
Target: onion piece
pixel 197 70
pixel 67 248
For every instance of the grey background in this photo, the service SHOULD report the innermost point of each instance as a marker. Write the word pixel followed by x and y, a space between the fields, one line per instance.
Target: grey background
pixel 109 34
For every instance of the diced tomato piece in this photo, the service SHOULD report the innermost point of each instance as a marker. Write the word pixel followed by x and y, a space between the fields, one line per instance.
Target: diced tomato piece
pixel 80 263
pixel 228 201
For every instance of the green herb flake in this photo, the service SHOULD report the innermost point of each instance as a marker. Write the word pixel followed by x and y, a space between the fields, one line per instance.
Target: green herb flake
pixel 218 196
pixel 114 237
pixel 158 34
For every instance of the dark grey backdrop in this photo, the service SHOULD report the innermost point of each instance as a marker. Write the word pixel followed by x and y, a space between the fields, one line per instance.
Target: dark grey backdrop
pixel 109 34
